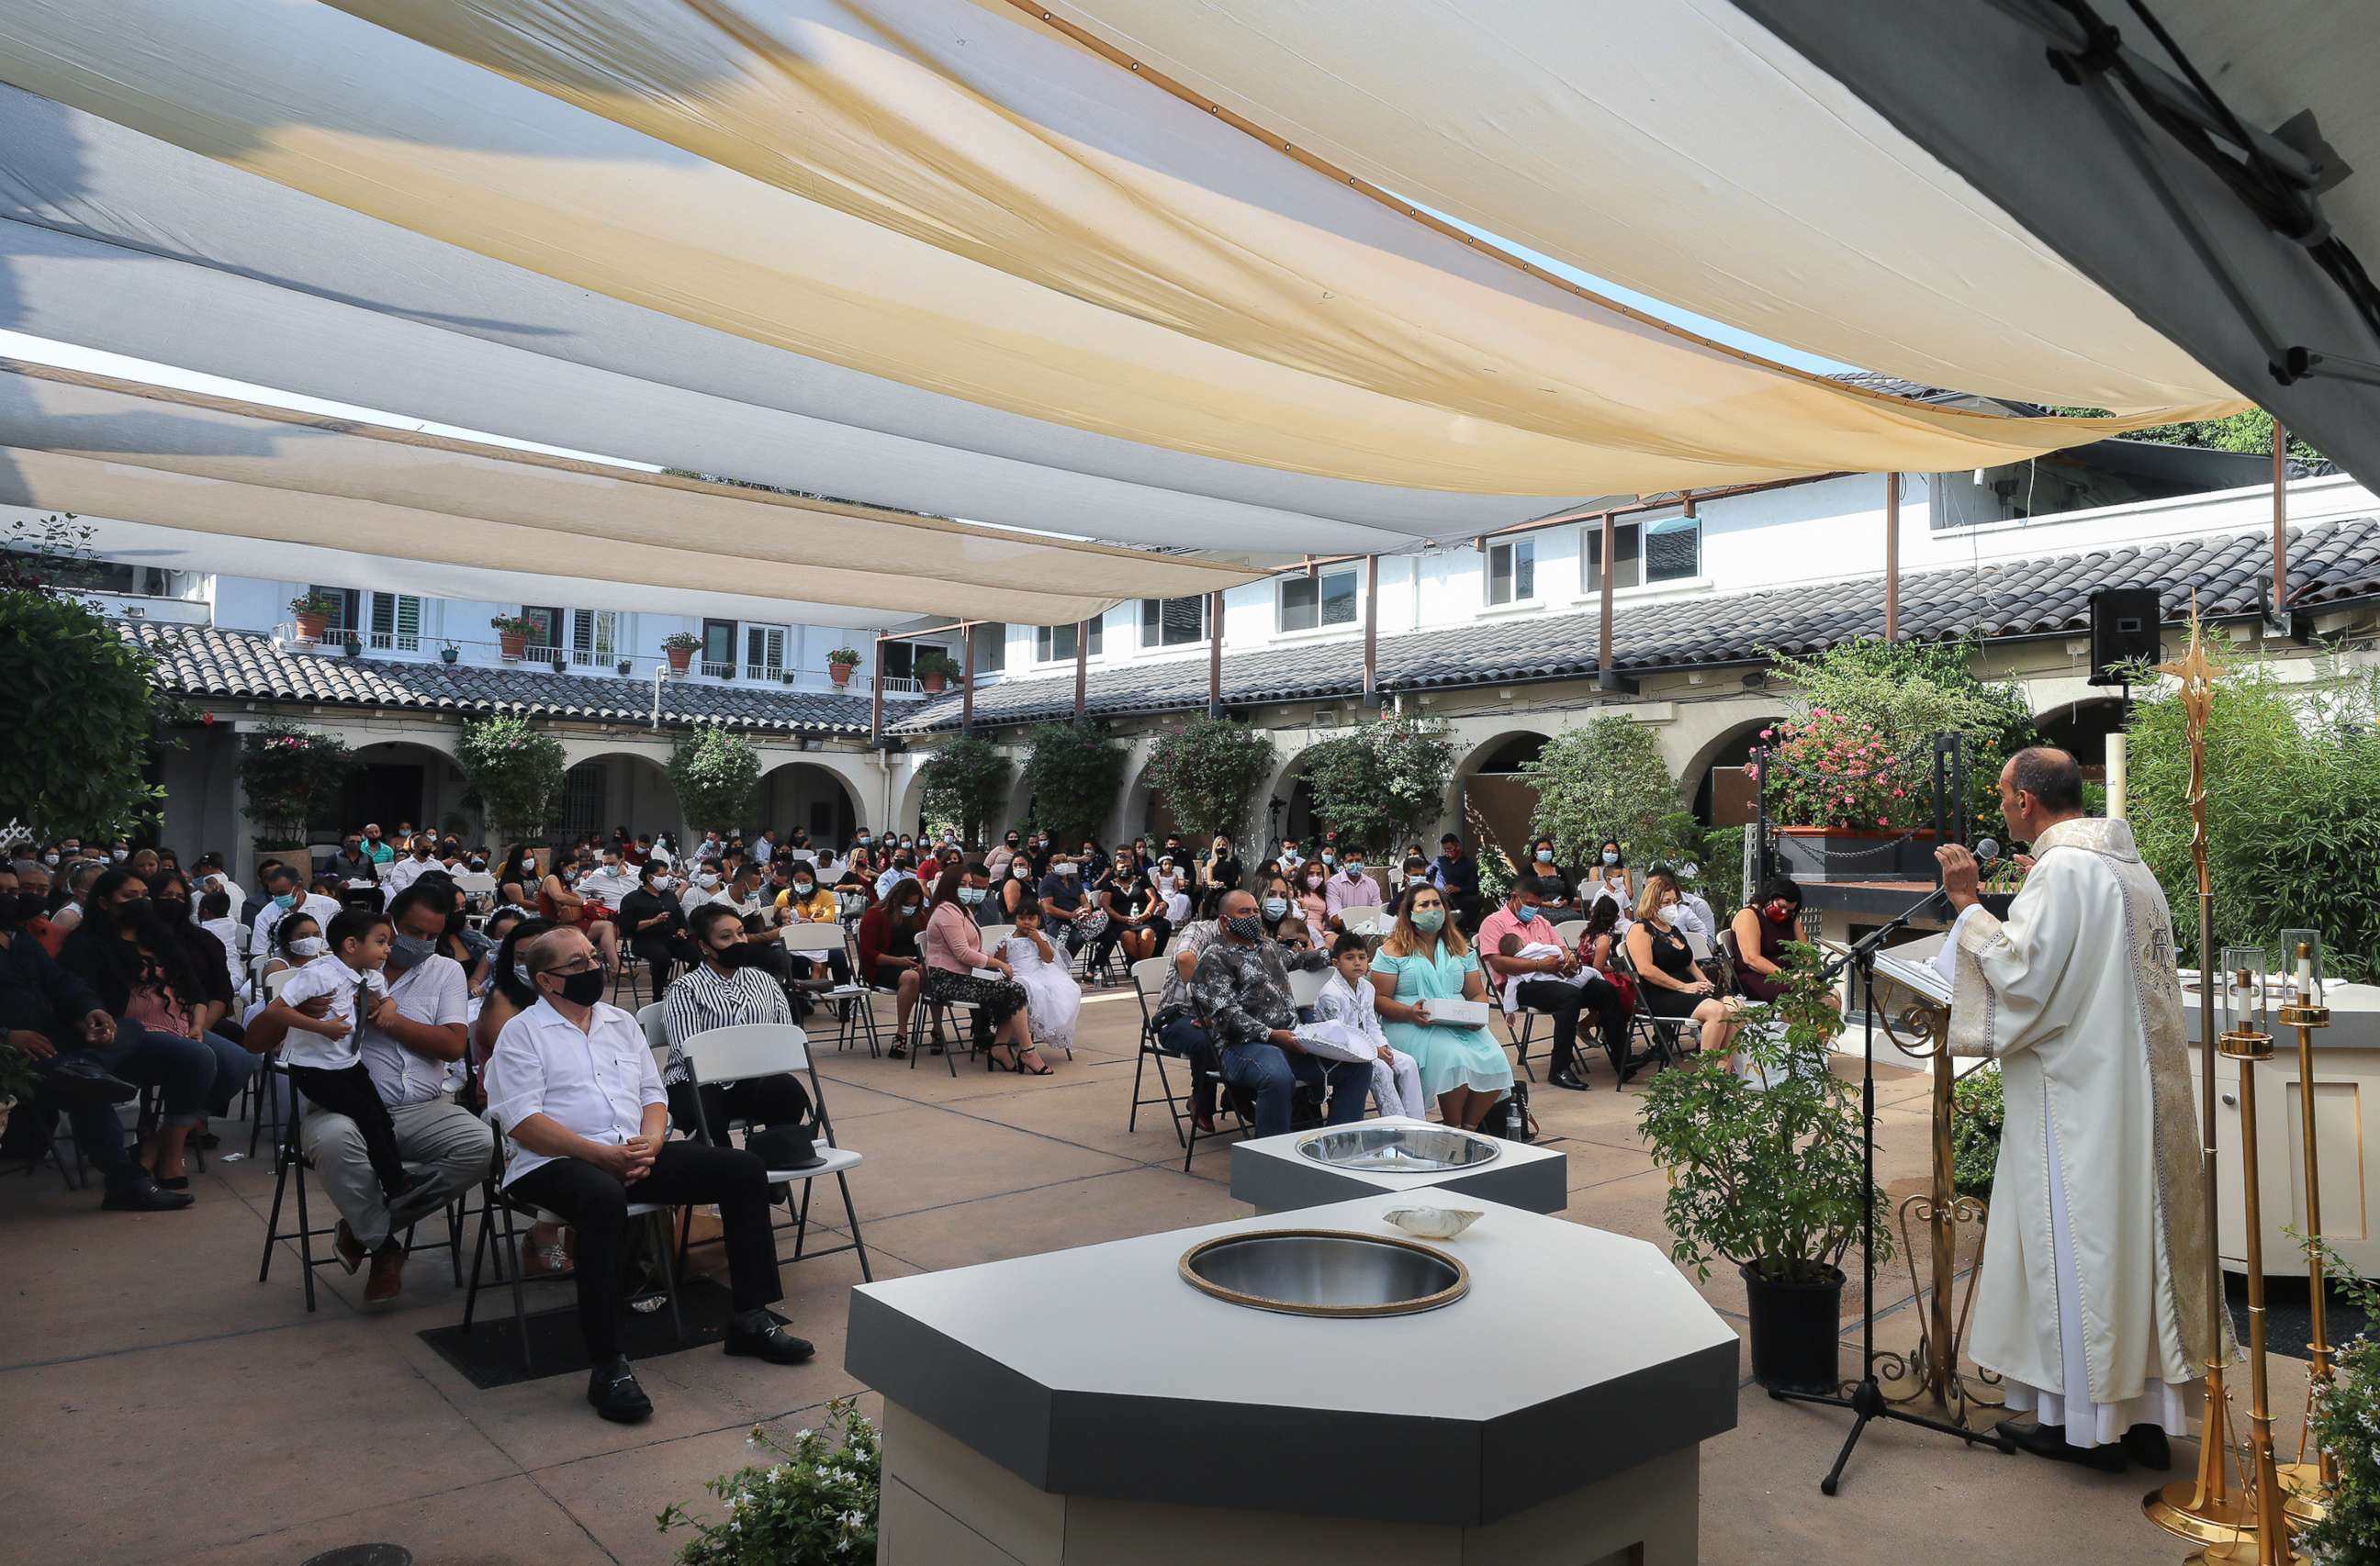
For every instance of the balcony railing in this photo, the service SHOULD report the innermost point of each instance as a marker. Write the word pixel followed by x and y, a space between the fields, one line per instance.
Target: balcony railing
pixel 393 641
pixel 409 648
pixel 718 671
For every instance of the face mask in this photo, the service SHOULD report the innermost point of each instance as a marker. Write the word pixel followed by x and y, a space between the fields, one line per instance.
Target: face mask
pixel 1276 907
pixel 306 946
pixel 971 896
pixel 741 955
pixel 1023 872
pixel 119 855
pixel 30 904
pixel 707 880
pixel 1778 913
pixel 1661 914
pixel 172 908
pixel 51 860
pixel 477 867
pixel 410 951
pixel 1610 859
pixel 583 988
pixel 804 888
pixel 1329 857
pixel 1430 921
pixel 1545 856
pixel 421 854
pixel 1527 913
pixel 1248 926
pixel 286 900
pixel 908 910
pixel 1354 868
pixel 1069 869
pixel 1090 850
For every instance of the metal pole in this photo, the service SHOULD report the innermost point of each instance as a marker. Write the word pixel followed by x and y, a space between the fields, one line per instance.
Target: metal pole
pixel 1214 655
pixel 876 696
pixel 967 676
pixel 1082 663
pixel 1603 627
pixel 1892 557
pixel 1371 631
pixel 2281 522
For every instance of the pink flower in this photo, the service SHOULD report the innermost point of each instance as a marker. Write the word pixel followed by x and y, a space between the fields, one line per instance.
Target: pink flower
pixel 1768 733
pixel 1900 793
pixel 1882 823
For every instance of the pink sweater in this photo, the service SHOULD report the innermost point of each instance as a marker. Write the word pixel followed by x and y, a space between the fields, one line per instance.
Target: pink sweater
pixel 950 941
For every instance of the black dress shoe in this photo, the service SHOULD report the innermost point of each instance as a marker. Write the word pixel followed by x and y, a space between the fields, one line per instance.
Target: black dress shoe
pixel 145 1195
pixel 81 1079
pixel 1567 1078
pixel 612 1391
pixel 2049 1441
pixel 2146 1445
pixel 767 1340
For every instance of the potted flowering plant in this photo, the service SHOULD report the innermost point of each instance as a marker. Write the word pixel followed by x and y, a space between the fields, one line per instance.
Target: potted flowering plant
pixel 935 669
pixel 840 663
pixel 1848 807
pixel 512 632
pixel 313 611
pixel 449 652
pixel 816 1506
pixel 680 646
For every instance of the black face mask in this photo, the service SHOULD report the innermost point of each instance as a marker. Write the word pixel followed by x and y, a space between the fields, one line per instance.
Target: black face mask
pixel 583 988
pixel 740 955
pixel 172 908
pixel 130 915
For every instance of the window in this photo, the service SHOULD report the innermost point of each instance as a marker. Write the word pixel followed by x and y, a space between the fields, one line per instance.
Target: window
pixel 1666 549
pixel 129 582
pixel 344 615
pixel 764 651
pixel 990 647
pixel 1173 622
pixel 582 801
pixel 1308 601
pixel 718 648
pixel 545 629
pixel 396 622
pixel 1055 644
pixel 1513 571
pixel 594 636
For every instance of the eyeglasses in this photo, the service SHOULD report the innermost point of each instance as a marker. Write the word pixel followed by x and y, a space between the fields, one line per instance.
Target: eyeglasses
pixel 576 965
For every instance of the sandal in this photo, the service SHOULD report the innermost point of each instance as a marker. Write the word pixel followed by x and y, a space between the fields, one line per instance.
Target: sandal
pixel 992 1061
pixel 1039 1068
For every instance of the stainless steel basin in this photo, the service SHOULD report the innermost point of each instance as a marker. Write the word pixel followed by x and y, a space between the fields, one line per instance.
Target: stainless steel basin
pixel 1400 1149
pixel 1325 1272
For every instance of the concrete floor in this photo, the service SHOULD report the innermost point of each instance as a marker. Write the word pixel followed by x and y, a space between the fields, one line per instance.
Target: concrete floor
pixel 167 1407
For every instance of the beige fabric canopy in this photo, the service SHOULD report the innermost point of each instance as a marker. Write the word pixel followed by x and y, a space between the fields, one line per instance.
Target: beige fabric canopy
pixel 957 198
pixel 180 462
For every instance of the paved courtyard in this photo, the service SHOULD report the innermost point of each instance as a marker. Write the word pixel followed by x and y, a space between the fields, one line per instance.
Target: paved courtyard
pixel 169 1408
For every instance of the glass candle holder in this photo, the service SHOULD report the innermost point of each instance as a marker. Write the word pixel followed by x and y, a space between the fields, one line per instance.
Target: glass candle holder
pixel 2301 966
pixel 2244 989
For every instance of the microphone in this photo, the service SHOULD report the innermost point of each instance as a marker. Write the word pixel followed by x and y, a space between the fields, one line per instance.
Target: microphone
pixel 1987 849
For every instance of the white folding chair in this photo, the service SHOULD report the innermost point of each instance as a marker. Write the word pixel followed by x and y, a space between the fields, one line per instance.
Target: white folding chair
pixel 993 936
pixel 722 1055
pixel 1697 945
pixel 818 941
pixel 1570 932
pixel 1306 985
pixel 1363 918
pixel 1148 978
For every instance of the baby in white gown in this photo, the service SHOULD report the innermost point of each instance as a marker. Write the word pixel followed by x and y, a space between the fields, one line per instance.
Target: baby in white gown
pixel 1053 1001
pixel 1347 1028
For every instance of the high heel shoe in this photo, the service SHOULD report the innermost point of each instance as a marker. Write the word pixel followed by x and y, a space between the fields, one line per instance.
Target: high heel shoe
pixel 992 1061
pixel 1039 1068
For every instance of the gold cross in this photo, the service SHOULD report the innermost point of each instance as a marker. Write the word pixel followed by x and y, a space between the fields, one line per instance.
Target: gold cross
pixel 2196 674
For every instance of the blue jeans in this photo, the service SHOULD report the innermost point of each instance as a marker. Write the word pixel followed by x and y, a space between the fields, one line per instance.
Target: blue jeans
pixel 233 1066
pixel 1184 1038
pixel 181 1069
pixel 1272 1074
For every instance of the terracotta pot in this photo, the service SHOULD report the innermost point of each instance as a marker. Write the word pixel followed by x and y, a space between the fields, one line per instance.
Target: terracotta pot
pixel 513 643
pixel 680 659
pixel 1825 853
pixel 311 626
pixel 840 674
pixel 934 684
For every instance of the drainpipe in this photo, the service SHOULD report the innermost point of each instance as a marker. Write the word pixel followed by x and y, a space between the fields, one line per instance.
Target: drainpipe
pixel 1892 557
pixel 659 669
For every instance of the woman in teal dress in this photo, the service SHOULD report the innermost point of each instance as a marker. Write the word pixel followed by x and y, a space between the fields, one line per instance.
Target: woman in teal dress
pixel 1424 958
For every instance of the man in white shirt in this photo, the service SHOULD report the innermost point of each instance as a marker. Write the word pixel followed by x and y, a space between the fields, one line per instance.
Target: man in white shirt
pixel 572 1081
pixel 414 1052
pixel 210 875
pixel 288 892
pixel 398 874
pixel 609 883
pixel 762 848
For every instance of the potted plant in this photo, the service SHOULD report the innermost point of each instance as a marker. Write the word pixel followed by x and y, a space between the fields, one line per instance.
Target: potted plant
pixel 935 669
pixel 1770 1177
pixel 840 663
pixel 448 652
pixel 623 666
pixel 2345 1422
pixel 560 663
pixel 512 633
pixel 680 646
pixel 815 1506
pixel 313 611
pixel 355 645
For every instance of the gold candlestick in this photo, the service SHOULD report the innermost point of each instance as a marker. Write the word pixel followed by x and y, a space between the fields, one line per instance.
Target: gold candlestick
pixel 2309 1482
pixel 2204 1508
pixel 2248 1043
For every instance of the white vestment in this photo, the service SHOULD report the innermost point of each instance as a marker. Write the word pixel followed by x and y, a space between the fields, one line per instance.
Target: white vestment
pixel 2092 1304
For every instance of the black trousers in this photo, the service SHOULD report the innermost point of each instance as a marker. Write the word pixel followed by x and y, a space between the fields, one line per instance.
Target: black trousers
pixel 761 1100
pixel 595 1203
pixel 348 1091
pixel 660 951
pixel 1565 1002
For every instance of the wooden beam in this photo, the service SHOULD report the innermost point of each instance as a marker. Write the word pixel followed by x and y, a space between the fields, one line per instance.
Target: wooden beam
pixel 1892 557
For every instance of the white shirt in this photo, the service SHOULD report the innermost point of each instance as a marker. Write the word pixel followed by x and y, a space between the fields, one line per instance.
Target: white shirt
pixel 595 1083
pixel 435 993
pixel 327 976
pixel 226 930
pixel 398 874
pixel 761 849
pixel 321 909
pixel 891 877
pixel 608 887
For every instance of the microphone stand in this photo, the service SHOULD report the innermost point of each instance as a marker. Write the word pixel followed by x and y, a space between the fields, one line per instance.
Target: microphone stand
pixel 1867 1400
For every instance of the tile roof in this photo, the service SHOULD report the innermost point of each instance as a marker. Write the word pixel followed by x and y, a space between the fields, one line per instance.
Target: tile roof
pixel 2010 600
pixel 206 661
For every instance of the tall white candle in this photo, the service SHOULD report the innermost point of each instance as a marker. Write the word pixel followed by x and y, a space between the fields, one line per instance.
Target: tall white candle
pixel 2116 779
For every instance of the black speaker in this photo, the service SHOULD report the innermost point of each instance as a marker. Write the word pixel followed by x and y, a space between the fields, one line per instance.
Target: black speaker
pixel 2123 630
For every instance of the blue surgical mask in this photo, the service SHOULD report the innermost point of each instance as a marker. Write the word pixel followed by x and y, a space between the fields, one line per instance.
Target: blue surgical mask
pixel 971 896
pixel 1329 857
pixel 1527 913
pixel 1545 856
pixel 286 900
pixel 1276 908
pixel 1610 859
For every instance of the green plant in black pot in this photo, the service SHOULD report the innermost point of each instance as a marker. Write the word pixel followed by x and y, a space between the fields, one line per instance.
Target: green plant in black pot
pixel 1770 1178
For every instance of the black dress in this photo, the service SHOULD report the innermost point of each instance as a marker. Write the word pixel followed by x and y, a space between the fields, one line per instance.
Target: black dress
pixel 1675 959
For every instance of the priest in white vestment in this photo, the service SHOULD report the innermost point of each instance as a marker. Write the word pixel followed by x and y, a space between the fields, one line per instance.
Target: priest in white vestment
pixel 2091 1303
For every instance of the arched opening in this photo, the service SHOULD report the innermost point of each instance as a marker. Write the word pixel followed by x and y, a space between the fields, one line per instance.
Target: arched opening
pixel 806 797
pixel 401 781
pixel 617 789
pixel 2081 729
pixel 1492 795
pixel 1722 792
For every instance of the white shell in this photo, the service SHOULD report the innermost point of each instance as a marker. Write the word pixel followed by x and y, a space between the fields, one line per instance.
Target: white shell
pixel 1433 1223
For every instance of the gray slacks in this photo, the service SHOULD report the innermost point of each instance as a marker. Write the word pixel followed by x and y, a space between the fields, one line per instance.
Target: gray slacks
pixel 444 1145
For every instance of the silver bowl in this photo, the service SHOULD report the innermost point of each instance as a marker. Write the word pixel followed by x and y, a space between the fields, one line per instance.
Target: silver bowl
pixel 1400 1149
pixel 1325 1272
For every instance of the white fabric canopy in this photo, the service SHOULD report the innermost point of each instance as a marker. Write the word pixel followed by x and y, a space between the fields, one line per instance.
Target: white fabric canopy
pixel 474 520
pixel 960 201
pixel 1675 147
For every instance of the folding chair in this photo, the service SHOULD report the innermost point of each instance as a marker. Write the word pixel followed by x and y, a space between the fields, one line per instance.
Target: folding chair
pixel 928 1010
pixel 851 1000
pixel 1662 1034
pixel 1569 933
pixel 735 1054
pixel 497 1203
pixel 263 1106
pixel 1148 978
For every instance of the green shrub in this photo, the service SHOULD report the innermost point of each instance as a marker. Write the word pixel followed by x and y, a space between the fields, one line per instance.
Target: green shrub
pixel 716 775
pixel 2345 1422
pixel 817 1506
pixel 1603 779
pixel 516 770
pixel 1977 1114
pixel 291 776
pixel 1073 771
pixel 1383 784
pixel 83 711
pixel 1209 772
pixel 967 782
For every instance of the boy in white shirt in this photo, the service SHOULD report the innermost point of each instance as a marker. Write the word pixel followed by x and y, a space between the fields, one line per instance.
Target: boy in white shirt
pixel 324 1054
pixel 1347 1028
